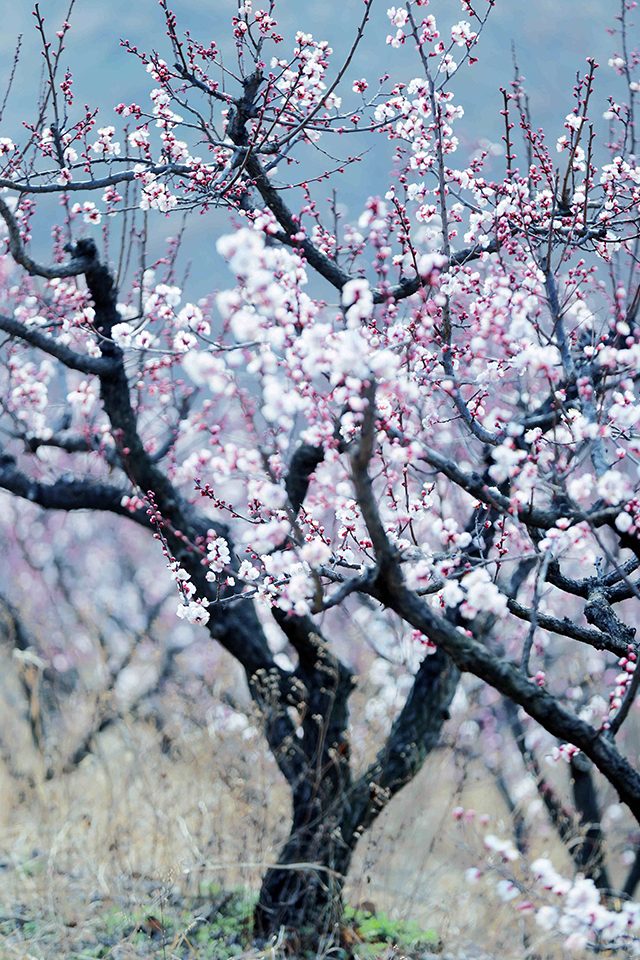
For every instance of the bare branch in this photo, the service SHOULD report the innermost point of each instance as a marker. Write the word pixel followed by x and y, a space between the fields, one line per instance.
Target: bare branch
pixel 98 366
pixel 568 628
pixel 16 247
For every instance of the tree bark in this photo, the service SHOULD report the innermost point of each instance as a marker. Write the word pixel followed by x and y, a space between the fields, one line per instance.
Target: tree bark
pixel 303 892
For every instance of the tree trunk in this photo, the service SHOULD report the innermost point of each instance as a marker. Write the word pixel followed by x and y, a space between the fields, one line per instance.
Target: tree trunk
pixel 304 892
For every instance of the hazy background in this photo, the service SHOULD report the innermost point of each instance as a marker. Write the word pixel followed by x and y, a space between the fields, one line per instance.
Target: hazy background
pixel 552 40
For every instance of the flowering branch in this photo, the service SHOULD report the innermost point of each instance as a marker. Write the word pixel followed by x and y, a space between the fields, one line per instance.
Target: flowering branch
pixel 98 366
pixel 73 268
pixel 506 677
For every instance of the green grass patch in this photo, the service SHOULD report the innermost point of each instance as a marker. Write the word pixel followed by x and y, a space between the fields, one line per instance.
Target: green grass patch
pixel 376 930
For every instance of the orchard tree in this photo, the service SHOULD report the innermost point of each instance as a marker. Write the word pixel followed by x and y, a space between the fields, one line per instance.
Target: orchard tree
pixel 445 428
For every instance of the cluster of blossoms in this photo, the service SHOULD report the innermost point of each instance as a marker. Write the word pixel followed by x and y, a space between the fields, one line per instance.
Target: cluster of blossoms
pixel 164 327
pixel 217 559
pixel 505 848
pixel 409 115
pixel 194 611
pixel 261 19
pixel 303 86
pixel 578 912
pixel 622 682
pixel 565 751
pixel 105 145
pixel 155 193
pixel 28 397
pixel 580 915
pixel 89 211
pixel 473 594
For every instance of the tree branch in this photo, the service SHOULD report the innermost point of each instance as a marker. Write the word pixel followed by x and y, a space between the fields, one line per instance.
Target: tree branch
pixel 414 734
pixel 558 813
pixel 361 452
pixel 303 462
pixel 16 248
pixel 589 853
pixel 568 628
pixel 98 366
pixel 506 677
pixel 531 516
pixel 66 494
pixel 100 183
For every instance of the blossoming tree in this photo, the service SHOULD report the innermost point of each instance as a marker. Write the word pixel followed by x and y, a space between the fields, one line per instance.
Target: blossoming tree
pixel 448 429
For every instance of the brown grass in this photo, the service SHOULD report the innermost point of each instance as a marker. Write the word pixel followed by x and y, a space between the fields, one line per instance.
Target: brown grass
pixel 135 833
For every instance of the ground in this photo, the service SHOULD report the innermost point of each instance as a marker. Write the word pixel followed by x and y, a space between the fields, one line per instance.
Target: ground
pixel 146 850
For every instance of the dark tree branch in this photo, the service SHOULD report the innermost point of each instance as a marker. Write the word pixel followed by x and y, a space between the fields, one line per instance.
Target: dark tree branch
pixel 354 585
pixel 292 235
pixel 66 494
pixel 239 632
pixel 331 271
pixel 98 366
pixel 318 689
pixel 414 734
pixel 417 729
pixel 303 462
pixel 69 442
pixel 560 817
pixel 506 677
pixel 16 247
pixel 360 454
pixel 568 628
pixel 531 516
pixel 633 877
pixel 579 588
pixel 598 611
pixel 588 852
pixel 410 285
pixel 320 262
pixel 73 443
pixel 99 183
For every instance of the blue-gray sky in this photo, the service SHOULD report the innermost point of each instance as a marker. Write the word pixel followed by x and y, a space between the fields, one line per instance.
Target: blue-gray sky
pixel 552 38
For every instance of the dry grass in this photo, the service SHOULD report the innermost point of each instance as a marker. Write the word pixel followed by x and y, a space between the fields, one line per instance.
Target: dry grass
pixel 132 833
pixel 121 857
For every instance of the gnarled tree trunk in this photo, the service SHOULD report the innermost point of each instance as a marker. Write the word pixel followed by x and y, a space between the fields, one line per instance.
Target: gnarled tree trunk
pixel 304 892
pixel 330 809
